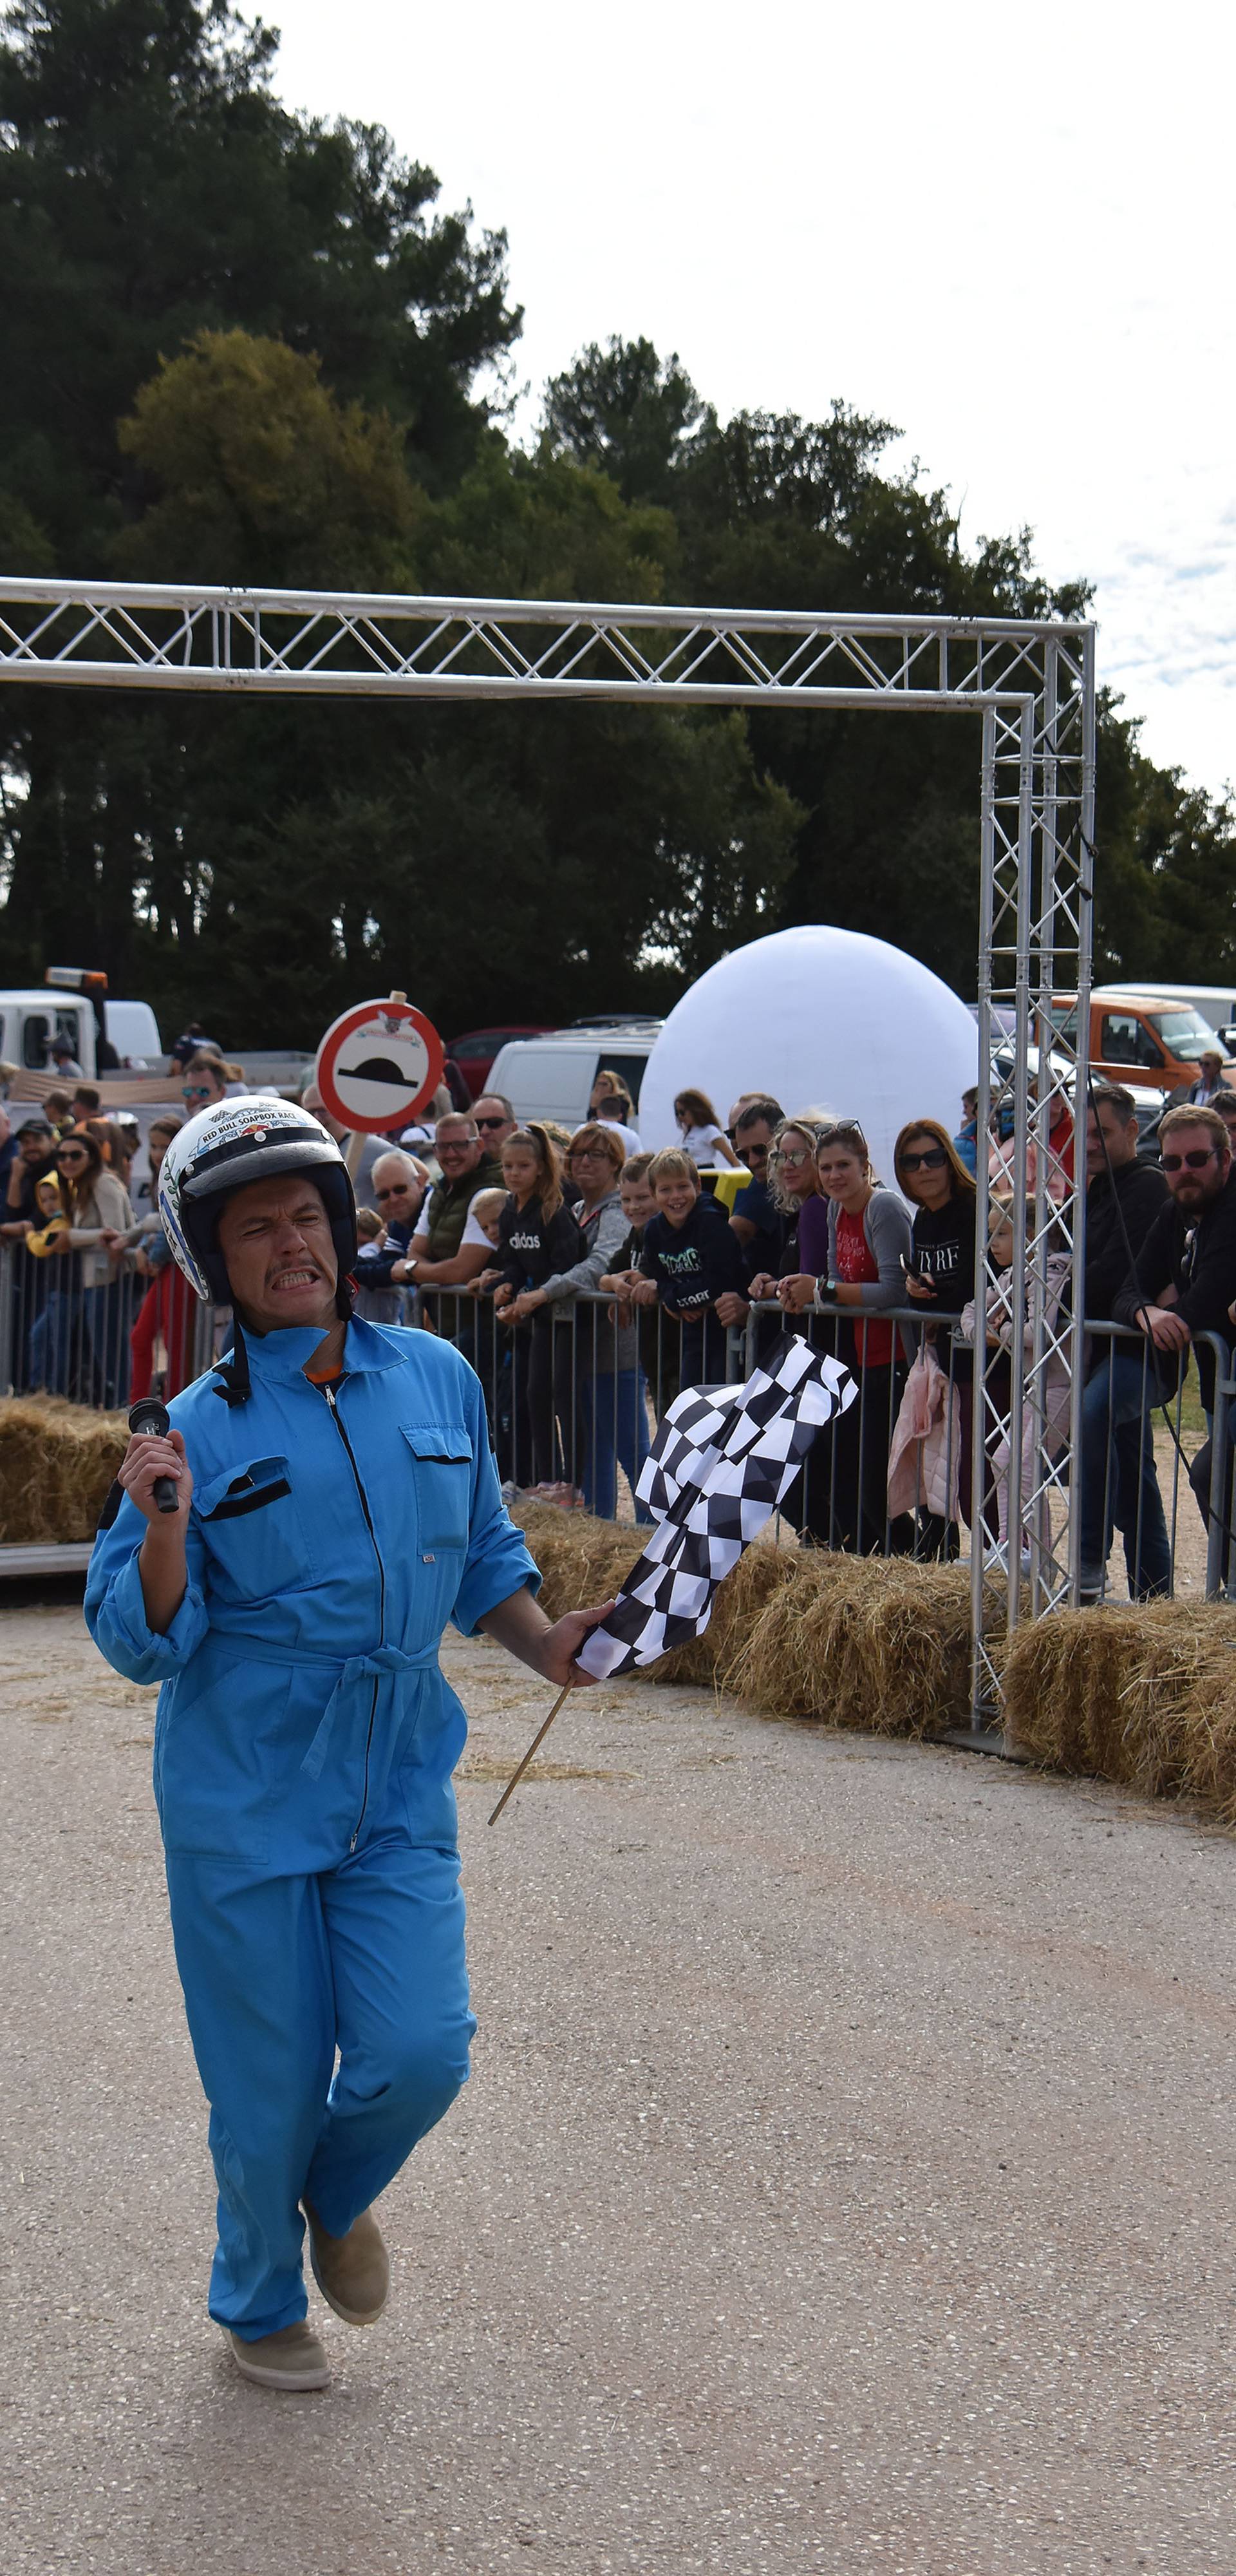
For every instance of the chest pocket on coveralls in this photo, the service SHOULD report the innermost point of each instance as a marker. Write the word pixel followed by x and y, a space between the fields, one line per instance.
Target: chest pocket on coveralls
pixel 253 1528
pixel 443 1484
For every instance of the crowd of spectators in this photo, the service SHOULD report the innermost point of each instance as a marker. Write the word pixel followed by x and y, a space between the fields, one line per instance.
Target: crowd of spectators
pixel 888 1276
pixel 499 1234
pixel 98 1297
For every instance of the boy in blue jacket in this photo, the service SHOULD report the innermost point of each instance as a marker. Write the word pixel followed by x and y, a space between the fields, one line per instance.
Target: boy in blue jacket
pixel 284 1561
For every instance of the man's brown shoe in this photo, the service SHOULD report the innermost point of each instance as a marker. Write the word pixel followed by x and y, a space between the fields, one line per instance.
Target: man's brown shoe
pixel 292 2359
pixel 352 2271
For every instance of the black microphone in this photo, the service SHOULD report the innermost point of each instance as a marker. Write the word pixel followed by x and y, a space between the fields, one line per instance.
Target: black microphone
pixel 150 1418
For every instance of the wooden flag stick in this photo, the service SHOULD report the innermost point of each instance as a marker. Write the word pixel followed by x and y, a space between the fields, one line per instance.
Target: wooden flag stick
pixel 538 1739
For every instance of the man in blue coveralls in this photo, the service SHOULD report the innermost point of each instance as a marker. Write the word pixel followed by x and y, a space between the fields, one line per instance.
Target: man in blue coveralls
pixel 336 1503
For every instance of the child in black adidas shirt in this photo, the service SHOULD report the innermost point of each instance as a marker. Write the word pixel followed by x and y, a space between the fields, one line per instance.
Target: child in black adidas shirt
pixel 690 1257
pixel 537 1237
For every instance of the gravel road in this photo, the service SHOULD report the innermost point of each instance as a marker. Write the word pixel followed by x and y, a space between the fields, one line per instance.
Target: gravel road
pixel 845 2181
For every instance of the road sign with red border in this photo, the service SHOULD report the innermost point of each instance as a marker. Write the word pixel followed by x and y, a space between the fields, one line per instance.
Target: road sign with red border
pixel 379 1064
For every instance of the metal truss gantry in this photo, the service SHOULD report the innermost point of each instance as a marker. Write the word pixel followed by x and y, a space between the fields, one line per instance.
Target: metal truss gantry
pixel 1031 684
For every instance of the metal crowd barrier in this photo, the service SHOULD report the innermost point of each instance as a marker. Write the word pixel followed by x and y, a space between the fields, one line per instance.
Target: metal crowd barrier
pixel 66 1324
pixel 574 1396
pixel 843 1497
pixel 1121 1489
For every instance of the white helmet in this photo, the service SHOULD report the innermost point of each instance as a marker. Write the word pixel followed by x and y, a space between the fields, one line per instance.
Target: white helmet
pixel 221 1150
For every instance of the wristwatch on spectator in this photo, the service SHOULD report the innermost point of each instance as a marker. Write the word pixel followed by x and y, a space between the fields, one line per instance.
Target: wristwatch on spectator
pixel 824 1288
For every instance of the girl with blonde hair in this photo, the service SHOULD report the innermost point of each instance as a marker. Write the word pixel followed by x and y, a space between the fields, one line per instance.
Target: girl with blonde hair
pixel 538 1238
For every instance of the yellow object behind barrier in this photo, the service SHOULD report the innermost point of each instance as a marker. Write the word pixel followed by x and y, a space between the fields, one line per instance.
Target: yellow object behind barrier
pixel 728 1183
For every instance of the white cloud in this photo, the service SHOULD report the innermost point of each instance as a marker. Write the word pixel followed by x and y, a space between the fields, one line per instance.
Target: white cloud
pixel 1009 232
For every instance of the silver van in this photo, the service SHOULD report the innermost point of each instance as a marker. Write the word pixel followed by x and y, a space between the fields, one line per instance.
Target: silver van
pixel 552 1077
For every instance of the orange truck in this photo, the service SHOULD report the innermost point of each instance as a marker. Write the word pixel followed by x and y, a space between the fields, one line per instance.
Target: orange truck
pixel 1141 1038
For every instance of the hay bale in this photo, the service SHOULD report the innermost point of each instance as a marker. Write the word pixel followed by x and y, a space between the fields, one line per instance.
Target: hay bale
pixel 1063 1678
pixel 762 1571
pixel 797 1631
pixel 581 1560
pixel 1143 1694
pixel 57 1462
pixel 862 1642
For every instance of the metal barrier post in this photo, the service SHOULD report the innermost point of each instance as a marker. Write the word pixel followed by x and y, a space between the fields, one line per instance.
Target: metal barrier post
pixel 8 1302
pixel 1219 1498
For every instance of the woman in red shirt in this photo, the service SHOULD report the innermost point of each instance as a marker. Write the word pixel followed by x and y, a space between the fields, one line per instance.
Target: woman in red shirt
pixel 867 1247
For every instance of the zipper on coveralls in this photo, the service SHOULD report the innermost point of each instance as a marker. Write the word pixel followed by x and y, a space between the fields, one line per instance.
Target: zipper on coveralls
pixel 337 1419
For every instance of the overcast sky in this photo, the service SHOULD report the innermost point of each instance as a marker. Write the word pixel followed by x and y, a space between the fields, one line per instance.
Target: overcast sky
pixel 1011 232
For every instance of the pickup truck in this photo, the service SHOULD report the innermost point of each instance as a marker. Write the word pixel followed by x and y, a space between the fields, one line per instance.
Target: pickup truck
pixel 75 1005
pixel 1140 1039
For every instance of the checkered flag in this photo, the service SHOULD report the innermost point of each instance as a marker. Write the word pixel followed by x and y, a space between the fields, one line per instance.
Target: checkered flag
pixel 723 1459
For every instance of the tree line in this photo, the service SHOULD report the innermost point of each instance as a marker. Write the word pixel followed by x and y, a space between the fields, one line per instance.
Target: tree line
pixel 248 346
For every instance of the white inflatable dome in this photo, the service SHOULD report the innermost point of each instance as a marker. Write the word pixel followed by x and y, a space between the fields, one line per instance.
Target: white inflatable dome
pixel 823 1019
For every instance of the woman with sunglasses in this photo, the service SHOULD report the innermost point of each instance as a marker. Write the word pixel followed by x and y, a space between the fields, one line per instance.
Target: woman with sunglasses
pixel 942 1193
pixel 793 1186
pixel 594 1163
pixel 792 1183
pixel 940 1276
pixel 63 1356
pixel 857 1247
pixel 613 1391
pixel 538 1236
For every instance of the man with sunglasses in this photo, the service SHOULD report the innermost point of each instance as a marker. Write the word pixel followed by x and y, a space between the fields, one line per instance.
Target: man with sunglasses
pixel 494 1120
pixel 1186 1270
pixel 204 1084
pixel 754 1216
pixel 1119 1484
pixel 398 1183
pixel 438 1256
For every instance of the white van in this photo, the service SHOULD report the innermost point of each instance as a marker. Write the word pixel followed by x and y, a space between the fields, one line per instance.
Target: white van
pixel 134 1032
pixel 552 1077
pixel 32 1015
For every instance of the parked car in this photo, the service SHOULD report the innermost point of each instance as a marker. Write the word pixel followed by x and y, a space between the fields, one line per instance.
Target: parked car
pixel 474 1053
pixel 551 1075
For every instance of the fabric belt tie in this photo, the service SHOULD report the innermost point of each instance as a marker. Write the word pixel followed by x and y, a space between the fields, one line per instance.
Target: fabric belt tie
pixel 350 1672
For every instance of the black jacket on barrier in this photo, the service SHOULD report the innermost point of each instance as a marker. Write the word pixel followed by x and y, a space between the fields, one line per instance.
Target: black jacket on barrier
pixel 1196 1252
pixel 1122 1202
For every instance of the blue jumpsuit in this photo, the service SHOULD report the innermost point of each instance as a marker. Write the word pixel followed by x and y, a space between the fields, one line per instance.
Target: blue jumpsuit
pixel 304 1746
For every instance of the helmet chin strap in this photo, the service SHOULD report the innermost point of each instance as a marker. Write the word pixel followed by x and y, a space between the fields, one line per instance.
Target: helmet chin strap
pixel 235 1384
